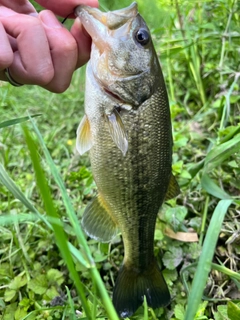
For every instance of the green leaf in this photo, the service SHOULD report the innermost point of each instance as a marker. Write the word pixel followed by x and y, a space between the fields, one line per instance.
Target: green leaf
pixel 158 235
pixel 9 294
pixel 51 293
pixel 25 303
pixel 233 311
pixel 222 313
pixel 9 312
pixel 55 275
pixel 175 216
pixel 201 310
pixel 18 282
pixel 20 313
pixel 39 284
pixel 179 311
pixel 173 258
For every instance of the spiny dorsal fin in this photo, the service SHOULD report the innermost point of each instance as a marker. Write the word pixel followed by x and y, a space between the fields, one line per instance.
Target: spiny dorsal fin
pixel 97 222
pixel 173 189
pixel 117 131
pixel 84 140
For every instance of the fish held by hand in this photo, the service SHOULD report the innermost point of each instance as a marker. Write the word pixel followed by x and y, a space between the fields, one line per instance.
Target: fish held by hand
pixel 127 128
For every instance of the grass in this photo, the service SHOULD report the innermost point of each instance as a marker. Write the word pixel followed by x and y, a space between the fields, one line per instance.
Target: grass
pixel 48 268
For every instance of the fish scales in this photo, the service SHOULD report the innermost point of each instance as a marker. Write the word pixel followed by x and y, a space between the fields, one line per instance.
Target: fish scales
pixel 135 185
pixel 127 128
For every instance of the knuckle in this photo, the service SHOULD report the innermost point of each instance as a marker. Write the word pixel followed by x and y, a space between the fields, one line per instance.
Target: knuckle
pixel 67 46
pixel 58 87
pixel 6 59
pixel 42 76
pixel 31 22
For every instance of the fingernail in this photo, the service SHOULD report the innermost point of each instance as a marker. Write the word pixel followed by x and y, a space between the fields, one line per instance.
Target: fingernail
pixel 49 19
pixel 33 14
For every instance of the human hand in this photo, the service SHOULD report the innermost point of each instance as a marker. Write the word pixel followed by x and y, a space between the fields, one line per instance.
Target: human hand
pixel 36 48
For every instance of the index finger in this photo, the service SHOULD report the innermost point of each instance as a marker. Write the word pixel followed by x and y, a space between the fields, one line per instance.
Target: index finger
pixel 20 6
pixel 65 7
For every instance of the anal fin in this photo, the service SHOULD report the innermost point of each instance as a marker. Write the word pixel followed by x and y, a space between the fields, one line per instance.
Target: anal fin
pixel 173 189
pixel 97 221
pixel 84 140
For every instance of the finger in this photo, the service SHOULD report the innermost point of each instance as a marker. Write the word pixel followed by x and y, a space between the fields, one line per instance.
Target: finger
pixel 6 52
pixel 64 52
pixel 20 6
pixel 83 42
pixel 32 63
pixel 63 7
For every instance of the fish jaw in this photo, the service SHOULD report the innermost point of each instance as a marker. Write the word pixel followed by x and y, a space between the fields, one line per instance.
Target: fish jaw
pixel 116 58
pixel 112 19
pixel 97 23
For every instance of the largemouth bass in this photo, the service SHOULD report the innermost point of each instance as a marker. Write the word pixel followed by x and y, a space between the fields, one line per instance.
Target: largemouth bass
pixel 127 128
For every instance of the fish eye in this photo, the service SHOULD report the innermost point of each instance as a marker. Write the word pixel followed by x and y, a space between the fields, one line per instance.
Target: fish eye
pixel 142 36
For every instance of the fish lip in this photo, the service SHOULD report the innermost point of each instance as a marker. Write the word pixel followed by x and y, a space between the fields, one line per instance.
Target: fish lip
pixel 98 23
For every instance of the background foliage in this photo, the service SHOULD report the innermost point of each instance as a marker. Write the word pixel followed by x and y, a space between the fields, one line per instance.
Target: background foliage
pixel 199 47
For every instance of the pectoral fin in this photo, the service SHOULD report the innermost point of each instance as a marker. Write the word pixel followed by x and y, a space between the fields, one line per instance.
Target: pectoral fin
pixel 117 131
pixel 84 137
pixel 97 221
pixel 173 189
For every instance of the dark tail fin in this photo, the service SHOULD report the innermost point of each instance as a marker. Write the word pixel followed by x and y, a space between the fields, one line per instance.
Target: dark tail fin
pixel 131 287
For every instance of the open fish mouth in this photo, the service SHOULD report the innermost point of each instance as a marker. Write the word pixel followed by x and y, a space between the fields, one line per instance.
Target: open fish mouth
pixel 98 23
pixel 112 20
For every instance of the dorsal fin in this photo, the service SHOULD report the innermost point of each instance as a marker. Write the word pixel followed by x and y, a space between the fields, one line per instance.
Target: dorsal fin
pixel 173 189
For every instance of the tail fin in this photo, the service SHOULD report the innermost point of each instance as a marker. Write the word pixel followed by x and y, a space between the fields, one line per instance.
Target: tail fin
pixel 131 287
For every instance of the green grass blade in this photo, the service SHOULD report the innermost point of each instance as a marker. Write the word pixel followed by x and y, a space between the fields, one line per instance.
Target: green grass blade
pixel 212 188
pixel 222 152
pixel 77 254
pixel 67 202
pixel 12 122
pixel 204 265
pixel 77 229
pixel 71 303
pixel 221 268
pixel 145 306
pixel 18 194
pixel 58 230
pixel 8 220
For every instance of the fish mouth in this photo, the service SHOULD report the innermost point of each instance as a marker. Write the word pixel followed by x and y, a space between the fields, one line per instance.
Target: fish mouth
pixel 98 23
pixel 113 19
pixel 105 29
